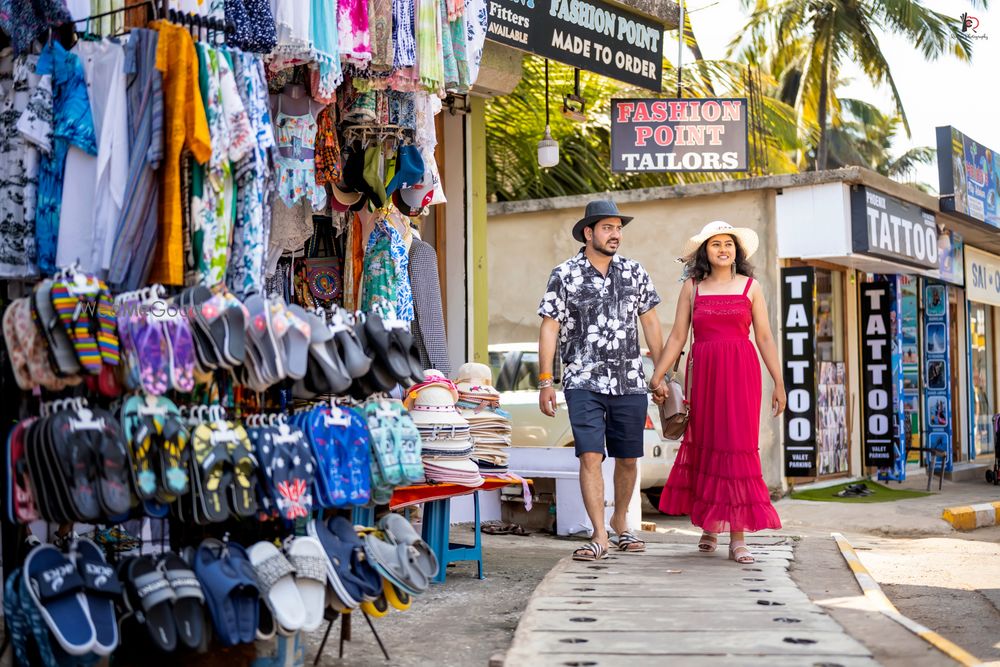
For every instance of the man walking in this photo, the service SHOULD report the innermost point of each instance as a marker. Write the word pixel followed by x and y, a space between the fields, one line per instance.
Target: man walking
pixel 590 306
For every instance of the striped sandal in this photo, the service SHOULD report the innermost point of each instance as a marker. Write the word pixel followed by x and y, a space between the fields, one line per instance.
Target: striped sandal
pixel 591 551
pixel 629 543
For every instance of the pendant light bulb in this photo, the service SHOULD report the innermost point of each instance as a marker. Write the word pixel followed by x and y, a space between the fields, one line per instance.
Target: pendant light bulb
pixel 548 150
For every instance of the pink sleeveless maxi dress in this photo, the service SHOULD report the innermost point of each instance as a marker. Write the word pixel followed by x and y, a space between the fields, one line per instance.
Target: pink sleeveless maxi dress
pixel 717 478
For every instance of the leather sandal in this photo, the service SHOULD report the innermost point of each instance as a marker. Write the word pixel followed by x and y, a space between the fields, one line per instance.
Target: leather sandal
pixel 708 542
pixel 739 552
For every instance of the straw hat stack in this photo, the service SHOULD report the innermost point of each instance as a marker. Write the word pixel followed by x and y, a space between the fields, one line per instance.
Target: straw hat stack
pixel 489 425
pixel 446 444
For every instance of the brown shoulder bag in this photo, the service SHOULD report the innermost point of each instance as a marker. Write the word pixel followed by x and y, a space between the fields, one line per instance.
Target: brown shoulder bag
pixel 675 412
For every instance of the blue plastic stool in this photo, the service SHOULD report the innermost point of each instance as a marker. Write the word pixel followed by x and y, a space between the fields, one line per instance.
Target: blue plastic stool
pixel 436 532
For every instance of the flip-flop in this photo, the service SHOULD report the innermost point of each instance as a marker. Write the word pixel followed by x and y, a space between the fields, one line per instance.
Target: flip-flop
pixel 151 598
pixel 276 583
pixel 248 596
pixel 353 354
pixel 406 342
pixel 60 348
pixel 101 590
pixel 212 477
pixel 378 376
pixel 21 507
pixel 398 529
pixel 326 372
pixel 150 349
pixel 74 312
pixel 262 335
pixel 288 463
pixel 189 599
pixel 358 453
pixel 297 341
pixel 56 589
pixel 388 348
pixel 307 557
pixel 395 563
pixel 383 445
pixel 364 573
pixel 16 349
pixel 108 445
pixel 190 301
pixel 76 459
pixel 321 426
pixel 180 354
pixel 242 496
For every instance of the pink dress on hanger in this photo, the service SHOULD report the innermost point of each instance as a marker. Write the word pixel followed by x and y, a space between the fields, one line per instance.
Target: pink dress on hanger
pixel 717 477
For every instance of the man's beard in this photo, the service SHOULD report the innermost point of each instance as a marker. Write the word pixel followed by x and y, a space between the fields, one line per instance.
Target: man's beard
pixel 604 250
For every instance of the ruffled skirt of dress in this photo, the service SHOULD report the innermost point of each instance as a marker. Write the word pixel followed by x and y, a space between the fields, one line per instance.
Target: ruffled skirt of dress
pixel 716 478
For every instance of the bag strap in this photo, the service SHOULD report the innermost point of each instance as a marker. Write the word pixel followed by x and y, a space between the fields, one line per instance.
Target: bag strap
pixel 694 292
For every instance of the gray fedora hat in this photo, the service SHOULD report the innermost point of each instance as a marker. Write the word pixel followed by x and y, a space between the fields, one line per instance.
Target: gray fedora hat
pixel 598 210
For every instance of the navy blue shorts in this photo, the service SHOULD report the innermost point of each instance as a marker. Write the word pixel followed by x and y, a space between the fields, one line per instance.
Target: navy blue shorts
pixel 601 418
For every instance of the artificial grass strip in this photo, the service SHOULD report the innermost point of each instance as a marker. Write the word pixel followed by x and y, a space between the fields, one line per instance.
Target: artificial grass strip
pixel 883 494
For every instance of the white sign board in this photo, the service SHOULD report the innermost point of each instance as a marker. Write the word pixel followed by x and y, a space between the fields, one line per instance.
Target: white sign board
pixel 982 276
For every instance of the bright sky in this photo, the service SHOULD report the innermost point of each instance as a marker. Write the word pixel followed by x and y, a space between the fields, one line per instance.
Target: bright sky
pixel 946 92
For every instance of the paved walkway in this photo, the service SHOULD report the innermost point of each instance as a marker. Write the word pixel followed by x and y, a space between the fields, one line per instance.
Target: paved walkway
pixel 674 603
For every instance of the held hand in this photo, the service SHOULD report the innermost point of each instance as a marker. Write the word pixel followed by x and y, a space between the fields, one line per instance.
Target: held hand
pixel 778 400
pixel 547 401
pixel 660 393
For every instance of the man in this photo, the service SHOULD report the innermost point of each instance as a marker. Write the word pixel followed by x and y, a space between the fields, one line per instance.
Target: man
pixel 591 305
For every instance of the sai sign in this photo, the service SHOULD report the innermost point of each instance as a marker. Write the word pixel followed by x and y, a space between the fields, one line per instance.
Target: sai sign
pixel 894 229
pixel 876 386
pixel 799 370
pixel 982 276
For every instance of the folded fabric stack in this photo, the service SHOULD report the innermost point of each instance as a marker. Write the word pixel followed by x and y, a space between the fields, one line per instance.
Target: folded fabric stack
pixel 445 436
pixel 489 425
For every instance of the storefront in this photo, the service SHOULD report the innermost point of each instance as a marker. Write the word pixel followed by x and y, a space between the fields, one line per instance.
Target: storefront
pixel 982 271
pixel 856 367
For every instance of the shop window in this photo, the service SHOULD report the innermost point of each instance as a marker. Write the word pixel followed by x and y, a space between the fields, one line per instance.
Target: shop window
pixel 980 333
pixel 833 455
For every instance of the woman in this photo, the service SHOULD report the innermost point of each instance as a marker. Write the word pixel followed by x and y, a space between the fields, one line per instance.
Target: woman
pixel 717 476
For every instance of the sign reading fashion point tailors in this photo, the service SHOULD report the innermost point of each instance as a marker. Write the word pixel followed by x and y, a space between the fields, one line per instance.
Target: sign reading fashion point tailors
pixel 707 134
pixel 878 424
pixel 891 228
pixel 798 368
pixel 968 176
pixel 589 34
pixel 982 276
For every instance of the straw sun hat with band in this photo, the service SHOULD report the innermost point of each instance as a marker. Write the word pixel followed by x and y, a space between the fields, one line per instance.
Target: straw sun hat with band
pixel 747 238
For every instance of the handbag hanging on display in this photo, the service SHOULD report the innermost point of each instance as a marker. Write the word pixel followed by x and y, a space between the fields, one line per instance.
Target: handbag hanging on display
pixel 324 275
pixel 675 411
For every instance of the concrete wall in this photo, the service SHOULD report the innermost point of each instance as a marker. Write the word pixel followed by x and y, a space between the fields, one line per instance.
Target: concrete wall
pixel 524 246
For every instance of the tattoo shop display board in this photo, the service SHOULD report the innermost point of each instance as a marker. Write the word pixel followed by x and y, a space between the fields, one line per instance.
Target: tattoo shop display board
pixel 937 365
pixel 798 347
pixel 910 323
pixel 831 426
pixel 877 427
pixel 898 470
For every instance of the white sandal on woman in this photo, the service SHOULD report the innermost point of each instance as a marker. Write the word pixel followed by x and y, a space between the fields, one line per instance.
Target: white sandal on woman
pixel 708 542
pixel 744 558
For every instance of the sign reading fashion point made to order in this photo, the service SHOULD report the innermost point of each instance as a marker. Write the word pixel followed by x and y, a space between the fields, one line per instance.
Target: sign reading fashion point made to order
pixel 798 345
pixel 878 423
pixel 588 34
pixel 705 134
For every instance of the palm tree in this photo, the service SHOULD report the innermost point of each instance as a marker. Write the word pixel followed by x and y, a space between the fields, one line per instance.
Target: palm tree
pixel 818 36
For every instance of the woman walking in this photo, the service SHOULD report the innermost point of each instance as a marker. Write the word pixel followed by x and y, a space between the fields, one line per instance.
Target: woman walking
pixel 717 478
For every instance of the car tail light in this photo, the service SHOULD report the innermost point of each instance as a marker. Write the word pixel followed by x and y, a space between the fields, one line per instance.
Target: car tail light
pixel 649 424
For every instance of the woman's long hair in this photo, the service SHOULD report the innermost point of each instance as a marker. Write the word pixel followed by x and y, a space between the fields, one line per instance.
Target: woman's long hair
pixel 699 268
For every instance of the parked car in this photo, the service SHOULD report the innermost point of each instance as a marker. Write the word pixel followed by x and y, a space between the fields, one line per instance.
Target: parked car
pixel 515 375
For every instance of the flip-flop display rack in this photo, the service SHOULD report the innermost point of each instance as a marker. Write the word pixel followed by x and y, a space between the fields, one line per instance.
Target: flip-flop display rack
pixel 242 432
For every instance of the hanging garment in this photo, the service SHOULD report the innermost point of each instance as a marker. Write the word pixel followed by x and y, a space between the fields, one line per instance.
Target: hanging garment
pixel 430 62
pixel 328 168
pixel 136 233
pixel 184 125
pixel 253 25
pixel 353 29
pixel 404 42
pixel 428 322
pixel 94 186
pixel 380 35
pixel 326 48
pixel 447 51
pixel 460 51
pixel 379 284
pixel 245 273
pixel 19 163
pixel 397 295
pixel 66 117
pixel 295 162
pixel 476 23
pixel 25 20
pixel 294 34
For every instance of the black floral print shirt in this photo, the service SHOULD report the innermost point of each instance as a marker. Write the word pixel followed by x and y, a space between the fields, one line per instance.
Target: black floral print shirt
pixel 598 332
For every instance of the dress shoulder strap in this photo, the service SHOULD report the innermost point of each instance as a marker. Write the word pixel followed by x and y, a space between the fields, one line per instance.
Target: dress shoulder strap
pixel 694 283
pixel 746 290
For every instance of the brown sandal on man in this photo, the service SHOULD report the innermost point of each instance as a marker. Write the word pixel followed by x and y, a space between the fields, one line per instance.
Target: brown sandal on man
pixel 591 551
